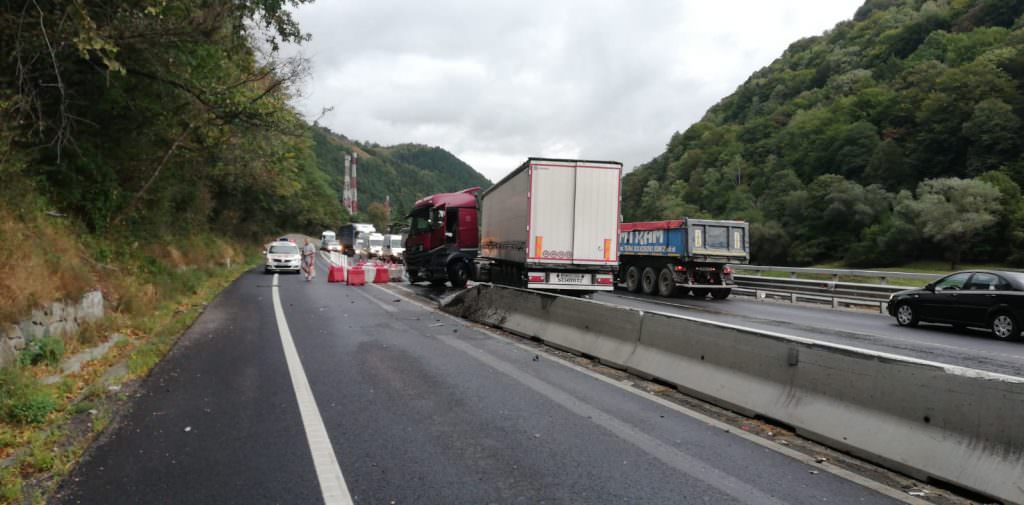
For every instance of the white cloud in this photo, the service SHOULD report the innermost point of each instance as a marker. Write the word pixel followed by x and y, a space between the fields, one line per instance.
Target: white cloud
pixel 496 82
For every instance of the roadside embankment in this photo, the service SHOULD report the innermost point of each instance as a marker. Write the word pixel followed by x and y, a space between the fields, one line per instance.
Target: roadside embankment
pixel 83 318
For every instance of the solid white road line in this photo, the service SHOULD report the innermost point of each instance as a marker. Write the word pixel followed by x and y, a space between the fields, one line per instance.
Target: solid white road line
pixel 332 483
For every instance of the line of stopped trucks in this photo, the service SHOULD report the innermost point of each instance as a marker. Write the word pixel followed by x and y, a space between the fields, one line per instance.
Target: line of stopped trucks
pixel 554 224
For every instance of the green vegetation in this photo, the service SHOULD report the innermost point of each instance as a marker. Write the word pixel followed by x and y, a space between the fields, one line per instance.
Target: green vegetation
pixel 22 399
pixel 47 350
pixel 891 138
pixel 405 172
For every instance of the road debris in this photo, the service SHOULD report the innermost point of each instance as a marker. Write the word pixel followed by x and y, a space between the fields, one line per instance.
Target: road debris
pixel 820 459
pixel 188 429
pixel 435 325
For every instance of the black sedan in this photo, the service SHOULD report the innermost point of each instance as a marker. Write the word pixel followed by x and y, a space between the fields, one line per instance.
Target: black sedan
pixel 982 299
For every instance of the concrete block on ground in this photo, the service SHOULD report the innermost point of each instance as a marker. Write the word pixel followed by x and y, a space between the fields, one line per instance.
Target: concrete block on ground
pixel 596 329
pixel 91 307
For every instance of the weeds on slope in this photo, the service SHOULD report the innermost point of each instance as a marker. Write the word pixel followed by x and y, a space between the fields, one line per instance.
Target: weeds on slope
pixel 44 429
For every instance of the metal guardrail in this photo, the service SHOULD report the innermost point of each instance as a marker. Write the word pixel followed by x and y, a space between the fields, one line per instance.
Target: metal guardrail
pixel 836 273
pixel 834 292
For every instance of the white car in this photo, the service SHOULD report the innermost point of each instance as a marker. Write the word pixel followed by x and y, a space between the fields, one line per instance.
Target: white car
pixel 283 257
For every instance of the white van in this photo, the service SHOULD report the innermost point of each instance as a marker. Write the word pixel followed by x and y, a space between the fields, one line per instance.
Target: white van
pixel 327 235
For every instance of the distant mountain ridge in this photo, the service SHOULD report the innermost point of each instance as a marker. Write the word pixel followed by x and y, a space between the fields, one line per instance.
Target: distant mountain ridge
pixel 826 149
pixel 405 172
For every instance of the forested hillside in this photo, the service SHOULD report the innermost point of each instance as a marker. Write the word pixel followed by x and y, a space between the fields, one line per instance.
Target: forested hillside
pixel 405 172
pixel 892 137
pixel 144 137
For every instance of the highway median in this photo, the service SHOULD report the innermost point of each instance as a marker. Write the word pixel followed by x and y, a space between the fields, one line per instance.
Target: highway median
pixel 931 421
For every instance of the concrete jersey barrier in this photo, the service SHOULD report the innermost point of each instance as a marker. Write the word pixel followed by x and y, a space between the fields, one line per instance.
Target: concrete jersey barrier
pixel 926 419
pixel 607 335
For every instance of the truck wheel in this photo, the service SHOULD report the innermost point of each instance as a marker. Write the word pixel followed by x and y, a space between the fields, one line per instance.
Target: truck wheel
pixel 720 294
pixel 666 283
pixel 649 282
pixel 701 293
pixel 458 274
pixel 633 279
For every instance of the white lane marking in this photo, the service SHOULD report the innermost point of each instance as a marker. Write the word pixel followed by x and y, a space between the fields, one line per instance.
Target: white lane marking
pixel 332 483
pixel 725 427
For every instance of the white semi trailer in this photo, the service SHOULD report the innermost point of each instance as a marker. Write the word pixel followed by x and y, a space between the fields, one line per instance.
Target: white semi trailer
pixel 552 224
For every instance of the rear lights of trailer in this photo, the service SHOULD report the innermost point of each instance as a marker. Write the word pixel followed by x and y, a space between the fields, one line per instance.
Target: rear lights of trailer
pixel 535 277
pixel 727 270
pixel 603 279
pixel 680 268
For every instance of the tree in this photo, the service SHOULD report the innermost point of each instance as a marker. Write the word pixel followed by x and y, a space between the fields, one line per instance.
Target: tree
pixel 377 213
pixel 994 132
pixel 888 167
pixel 952 211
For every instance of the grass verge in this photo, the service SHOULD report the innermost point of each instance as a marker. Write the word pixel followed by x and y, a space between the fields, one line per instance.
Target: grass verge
pixel 45 429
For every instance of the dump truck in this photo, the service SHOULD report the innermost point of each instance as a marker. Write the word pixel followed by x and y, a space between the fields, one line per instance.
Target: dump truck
pixel 685 256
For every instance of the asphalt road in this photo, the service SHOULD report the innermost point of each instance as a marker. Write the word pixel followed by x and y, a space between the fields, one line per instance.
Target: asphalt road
pixel 416 407
pixel 941 343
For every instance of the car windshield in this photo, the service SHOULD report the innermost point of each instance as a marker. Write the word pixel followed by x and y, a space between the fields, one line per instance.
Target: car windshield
pixel 331 242
pixel 396 242
pixel 284 249
pixel 376 242
pixel 420 221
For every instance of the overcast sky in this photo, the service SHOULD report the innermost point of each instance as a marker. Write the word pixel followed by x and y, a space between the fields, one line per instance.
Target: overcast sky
pixel 495 82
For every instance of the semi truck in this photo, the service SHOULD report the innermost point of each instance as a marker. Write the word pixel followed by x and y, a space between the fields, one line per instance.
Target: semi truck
pixel 393 246
pixel 443 238
pixel 550 224
pixel 354 238
pixel 682 256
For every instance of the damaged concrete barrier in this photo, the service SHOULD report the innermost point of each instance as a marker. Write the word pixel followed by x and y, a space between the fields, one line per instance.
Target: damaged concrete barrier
pixel 925 419
pixel 929 420
pixel 600 330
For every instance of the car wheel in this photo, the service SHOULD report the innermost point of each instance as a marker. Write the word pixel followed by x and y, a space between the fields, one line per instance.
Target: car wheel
pixel 633 279
pixel 701 293
pixel 458 274
pixel 649 281
pixel 666 283
pixel 906 315
pixel 720 294
pixel 1004 327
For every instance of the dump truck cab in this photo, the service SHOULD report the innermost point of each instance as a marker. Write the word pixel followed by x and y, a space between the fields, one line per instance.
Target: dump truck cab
pixel 443 238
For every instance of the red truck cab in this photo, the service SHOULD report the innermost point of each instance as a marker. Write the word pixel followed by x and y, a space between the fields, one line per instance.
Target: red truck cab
pixel 443 238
